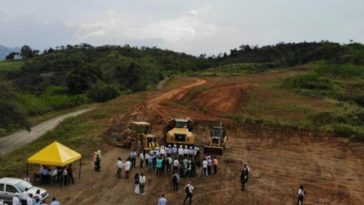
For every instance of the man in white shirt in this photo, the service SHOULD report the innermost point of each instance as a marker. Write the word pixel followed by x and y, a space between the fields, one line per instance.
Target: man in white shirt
pixel 127 166
pixel 142 181
pixel 175 165
pixel 181 152
pixel 174 150
pixel 204 167
pixel 16 200
pixel 162 200
pixel 119 167
pixel 185 151
pixel 142 158
pixel 188 189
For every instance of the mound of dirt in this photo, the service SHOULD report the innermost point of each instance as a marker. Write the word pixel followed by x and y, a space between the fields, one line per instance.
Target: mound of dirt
pixel 226 99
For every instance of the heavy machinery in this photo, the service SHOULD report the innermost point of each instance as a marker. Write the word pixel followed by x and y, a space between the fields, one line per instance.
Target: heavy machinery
pixel 137 135
pixel 217 141
pixel 179 131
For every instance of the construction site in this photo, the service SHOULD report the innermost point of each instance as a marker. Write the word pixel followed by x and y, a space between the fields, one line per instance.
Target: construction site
pixel 330 168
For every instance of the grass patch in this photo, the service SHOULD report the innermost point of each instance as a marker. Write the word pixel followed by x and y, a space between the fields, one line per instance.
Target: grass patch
pixel 7 67
pixel 82 133
pixel 37 105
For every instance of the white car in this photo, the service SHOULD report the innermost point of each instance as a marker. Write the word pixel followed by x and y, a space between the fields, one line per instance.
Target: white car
pixel 10 186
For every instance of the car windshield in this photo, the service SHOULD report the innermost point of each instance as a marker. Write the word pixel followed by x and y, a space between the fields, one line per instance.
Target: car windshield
pixel 22 185
pixel 181 124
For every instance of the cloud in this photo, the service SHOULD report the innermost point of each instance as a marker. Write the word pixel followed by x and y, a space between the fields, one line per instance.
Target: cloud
pixel 116 27
pixel 202 26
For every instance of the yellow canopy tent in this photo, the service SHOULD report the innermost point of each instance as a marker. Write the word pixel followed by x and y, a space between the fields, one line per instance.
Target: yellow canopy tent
pixel 55 154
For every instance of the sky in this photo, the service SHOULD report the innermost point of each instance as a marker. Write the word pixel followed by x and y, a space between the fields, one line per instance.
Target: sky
pixel 191 26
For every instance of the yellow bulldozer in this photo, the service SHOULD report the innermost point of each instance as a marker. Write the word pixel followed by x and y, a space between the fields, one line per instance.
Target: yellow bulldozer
pixel 179 131
pixel 217 141
pixel 136 136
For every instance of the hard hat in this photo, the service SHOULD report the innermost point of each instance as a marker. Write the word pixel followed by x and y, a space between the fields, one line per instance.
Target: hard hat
pixel 180 146
pixel 185 146
pixel 169 145
pixel 175 145
pixel 190 147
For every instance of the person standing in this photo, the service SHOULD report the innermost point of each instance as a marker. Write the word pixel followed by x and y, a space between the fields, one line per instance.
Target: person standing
pixel 175 181
pixel 215 163
pixel 188 189
pixel 64 177
pixel 70 174
pixel 162 200
pixel 98 163
pixel 16 200
pixel 127 167
pixel 133 156
pixel 159 166
pixel 204 167
pixel 244 177
pixel 301 195
pixel 119 167
pixel 136 182
pixel 55 202
pixel 141 156
pixel 175 165
pixel 142 181
pixel 209 165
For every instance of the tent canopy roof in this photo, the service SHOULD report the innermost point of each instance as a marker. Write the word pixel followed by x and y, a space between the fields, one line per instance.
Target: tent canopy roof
pixel 55 154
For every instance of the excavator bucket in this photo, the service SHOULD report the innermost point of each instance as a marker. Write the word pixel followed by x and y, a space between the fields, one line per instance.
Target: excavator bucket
pixel 212 150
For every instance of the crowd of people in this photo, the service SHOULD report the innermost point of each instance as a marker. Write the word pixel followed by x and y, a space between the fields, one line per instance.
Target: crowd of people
pixel 61 175
pixel 175 161
pixel 30 199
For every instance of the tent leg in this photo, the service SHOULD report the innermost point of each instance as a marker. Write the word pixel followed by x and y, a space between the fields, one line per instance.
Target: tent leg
pixel 28 170
pixel 79 171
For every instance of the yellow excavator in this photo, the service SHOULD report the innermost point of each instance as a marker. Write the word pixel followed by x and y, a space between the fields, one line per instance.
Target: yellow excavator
pixel 137 136
pixel 217 141
pixel 179 131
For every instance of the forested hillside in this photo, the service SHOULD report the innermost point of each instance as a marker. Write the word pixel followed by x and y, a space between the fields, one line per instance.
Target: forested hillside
pixel 69 76
pixel 74 75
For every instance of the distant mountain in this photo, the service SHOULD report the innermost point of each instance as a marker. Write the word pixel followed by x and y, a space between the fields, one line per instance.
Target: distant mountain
pixel 5 51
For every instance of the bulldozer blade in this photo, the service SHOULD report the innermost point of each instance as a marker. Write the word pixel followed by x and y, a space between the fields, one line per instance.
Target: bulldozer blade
pixel 213 150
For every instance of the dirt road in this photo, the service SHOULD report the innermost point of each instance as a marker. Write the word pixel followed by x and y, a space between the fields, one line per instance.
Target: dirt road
pixel 18 139
pixel 332 169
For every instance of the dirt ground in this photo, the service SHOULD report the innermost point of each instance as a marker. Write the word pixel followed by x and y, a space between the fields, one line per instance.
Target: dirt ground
pixel 331 169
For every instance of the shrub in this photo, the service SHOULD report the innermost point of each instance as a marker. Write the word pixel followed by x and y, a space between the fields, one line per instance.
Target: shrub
pixel 344 130
pixel 102 92
pixel 322 118
pixel 311 81
pixel 345 71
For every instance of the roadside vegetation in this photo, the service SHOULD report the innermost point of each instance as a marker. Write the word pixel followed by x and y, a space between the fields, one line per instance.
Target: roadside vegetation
pixel 82 133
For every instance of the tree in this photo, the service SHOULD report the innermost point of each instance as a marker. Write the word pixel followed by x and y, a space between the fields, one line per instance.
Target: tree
pixel 26 52
pixel 83 78
pixel 11 56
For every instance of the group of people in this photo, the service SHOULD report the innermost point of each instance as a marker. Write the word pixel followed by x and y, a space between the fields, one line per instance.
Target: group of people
pixel 177 161
pixel 30 199
pixel 63 175
pixel 182 162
